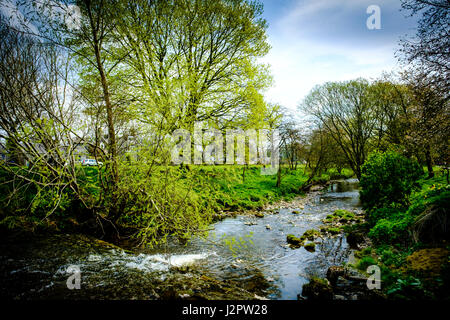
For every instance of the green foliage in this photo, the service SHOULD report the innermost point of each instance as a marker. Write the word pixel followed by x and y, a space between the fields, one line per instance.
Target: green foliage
pixel 387 179
pixel 382 213
pixel 24 198
pixel 425 218
pixel 434 195
pixel 408 288
pixel 392 230
pixel 398 233
pixel 234 245
pixel 155 201
pixel 341 215
pixel 223 188
pixel 365 262
pixel 390 256
pixel 430 211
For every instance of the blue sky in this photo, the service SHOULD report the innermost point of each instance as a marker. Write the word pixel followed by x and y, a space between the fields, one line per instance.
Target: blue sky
pixel 314 41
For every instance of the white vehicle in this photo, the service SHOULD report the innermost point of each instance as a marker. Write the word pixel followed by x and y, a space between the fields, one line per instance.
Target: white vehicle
pixel 91 162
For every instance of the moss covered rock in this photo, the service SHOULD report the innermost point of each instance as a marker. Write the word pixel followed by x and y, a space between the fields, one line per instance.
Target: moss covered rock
pixel 318 289
pixel 310 234
pixel 311 247
pixel 294 241
pixel 331 230
pixel 343 216
pixel 428 261
pixel 333 273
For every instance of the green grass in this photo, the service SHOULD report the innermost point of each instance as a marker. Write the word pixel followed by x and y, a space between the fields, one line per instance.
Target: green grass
pixel 226 187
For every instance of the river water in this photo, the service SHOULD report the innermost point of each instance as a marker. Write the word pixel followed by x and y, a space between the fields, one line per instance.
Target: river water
pixel 248 251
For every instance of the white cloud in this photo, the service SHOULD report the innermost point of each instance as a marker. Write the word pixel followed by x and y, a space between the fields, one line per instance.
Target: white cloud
pixel 327 40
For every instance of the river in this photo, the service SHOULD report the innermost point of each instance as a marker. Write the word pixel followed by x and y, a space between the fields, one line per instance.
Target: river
pixel 259 261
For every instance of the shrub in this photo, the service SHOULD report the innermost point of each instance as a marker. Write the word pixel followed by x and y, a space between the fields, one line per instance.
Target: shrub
pixel 392 230
pixel 387 179
pixel 390 256
pixel 382 213
pixel 365 262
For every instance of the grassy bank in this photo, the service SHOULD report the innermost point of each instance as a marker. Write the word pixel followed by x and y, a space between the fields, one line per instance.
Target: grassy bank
pixel 230 188
pixel 212 192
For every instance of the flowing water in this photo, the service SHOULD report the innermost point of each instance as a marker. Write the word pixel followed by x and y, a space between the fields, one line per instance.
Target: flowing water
pixel 246 251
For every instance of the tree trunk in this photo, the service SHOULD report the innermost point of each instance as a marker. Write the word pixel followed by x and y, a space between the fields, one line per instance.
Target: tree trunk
pixel 429 161
pixel 279 176
pixel 112 145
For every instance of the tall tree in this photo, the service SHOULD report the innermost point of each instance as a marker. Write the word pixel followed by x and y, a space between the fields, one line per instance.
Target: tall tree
pixel 346 111
pixel 428 118
pixel 196 59
pixel 88 39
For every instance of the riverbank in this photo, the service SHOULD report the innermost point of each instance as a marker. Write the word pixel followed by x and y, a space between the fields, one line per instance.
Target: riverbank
pixel 214 193
pixel 408 245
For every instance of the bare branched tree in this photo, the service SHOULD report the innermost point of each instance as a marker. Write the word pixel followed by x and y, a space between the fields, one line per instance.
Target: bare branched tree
pixel 430 47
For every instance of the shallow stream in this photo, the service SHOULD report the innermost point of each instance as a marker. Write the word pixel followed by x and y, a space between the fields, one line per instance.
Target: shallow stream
pixel 243 253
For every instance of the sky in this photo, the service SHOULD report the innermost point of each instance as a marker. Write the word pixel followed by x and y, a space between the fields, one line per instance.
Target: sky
pixel 315 41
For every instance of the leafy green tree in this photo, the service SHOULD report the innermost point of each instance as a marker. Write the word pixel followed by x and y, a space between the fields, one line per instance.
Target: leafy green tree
pixel 387 179
pixel 195 60
pixel 392 101
pixel 144 69
pixel 428 118
pixel 346 111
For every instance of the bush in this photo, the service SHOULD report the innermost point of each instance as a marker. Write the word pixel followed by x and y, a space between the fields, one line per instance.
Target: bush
pixel 382 213
pixel 387 180
pixel 365 262
pixel 392 230
pixel 392 256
